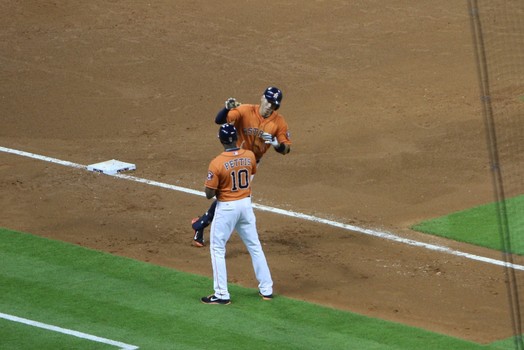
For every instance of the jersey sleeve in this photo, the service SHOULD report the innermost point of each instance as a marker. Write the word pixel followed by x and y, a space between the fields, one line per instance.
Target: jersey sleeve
pixel 212 178
pixel 283 135
pixel 234 115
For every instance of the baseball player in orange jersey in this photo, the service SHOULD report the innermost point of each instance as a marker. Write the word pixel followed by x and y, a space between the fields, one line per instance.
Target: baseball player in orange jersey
pixel 229 179
pixel 259 127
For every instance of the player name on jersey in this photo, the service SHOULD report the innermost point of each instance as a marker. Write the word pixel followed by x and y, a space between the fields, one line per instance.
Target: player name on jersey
pixel 237 162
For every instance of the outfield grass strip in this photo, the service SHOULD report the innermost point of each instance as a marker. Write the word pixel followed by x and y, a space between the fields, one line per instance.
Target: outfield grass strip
pixel 481 226
pixel 122 346
pixel 158 308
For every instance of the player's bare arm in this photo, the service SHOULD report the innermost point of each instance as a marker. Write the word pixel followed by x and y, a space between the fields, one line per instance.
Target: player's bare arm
pixel 210 192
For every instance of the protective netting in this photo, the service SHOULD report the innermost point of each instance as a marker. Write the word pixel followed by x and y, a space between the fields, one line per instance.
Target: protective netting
pixel 498 35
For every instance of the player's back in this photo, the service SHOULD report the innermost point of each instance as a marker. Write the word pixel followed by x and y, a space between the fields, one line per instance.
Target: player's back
pixel 233 170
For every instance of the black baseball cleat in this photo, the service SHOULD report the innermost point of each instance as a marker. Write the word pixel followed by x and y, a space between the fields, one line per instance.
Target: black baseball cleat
pixel 266 297
pixel 212 299
pixel 198 238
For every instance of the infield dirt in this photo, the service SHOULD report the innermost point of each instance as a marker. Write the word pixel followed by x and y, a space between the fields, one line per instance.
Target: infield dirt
pixel 381 100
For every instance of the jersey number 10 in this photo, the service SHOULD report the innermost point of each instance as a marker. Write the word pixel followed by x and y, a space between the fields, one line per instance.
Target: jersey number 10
pixel 239 179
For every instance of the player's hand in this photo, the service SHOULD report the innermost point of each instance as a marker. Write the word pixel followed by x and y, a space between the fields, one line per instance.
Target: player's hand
pixel 270 139
pixel 231 103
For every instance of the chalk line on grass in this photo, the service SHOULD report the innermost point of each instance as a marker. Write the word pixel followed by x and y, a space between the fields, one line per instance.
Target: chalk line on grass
pixel 120 345
pixel 370 232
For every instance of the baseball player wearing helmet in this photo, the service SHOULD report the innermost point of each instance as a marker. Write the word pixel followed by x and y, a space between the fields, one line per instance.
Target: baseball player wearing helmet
pixel 229 179
pixel 260 127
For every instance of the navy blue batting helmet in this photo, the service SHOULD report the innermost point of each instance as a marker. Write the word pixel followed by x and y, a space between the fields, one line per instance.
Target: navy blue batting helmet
pixel 227 133
pixel 273 95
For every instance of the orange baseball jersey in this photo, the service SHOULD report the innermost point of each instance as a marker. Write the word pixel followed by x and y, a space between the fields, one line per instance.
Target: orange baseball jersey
pixel 230 174
pixel 248 120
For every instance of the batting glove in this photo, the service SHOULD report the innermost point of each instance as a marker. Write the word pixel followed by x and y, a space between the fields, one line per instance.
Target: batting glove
pixel 270 139
pixel 231 103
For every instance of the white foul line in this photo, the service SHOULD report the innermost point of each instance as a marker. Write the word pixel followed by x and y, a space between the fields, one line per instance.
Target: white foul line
pixel 384 235
pixel 122 346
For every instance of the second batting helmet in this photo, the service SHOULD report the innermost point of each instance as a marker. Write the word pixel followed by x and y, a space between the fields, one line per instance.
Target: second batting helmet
pixel 227 133
pixel 273 95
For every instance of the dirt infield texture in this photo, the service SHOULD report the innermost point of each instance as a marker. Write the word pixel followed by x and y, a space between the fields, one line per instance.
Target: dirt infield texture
pixel 381 99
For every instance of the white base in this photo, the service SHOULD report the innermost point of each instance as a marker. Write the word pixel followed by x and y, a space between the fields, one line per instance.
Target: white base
pixel 111 167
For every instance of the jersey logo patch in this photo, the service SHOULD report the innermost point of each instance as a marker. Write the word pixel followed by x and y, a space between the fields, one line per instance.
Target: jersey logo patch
pixel 210 175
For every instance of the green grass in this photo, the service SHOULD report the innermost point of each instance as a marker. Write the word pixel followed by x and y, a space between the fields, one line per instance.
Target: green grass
pixel 158 308
pixel 480 225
